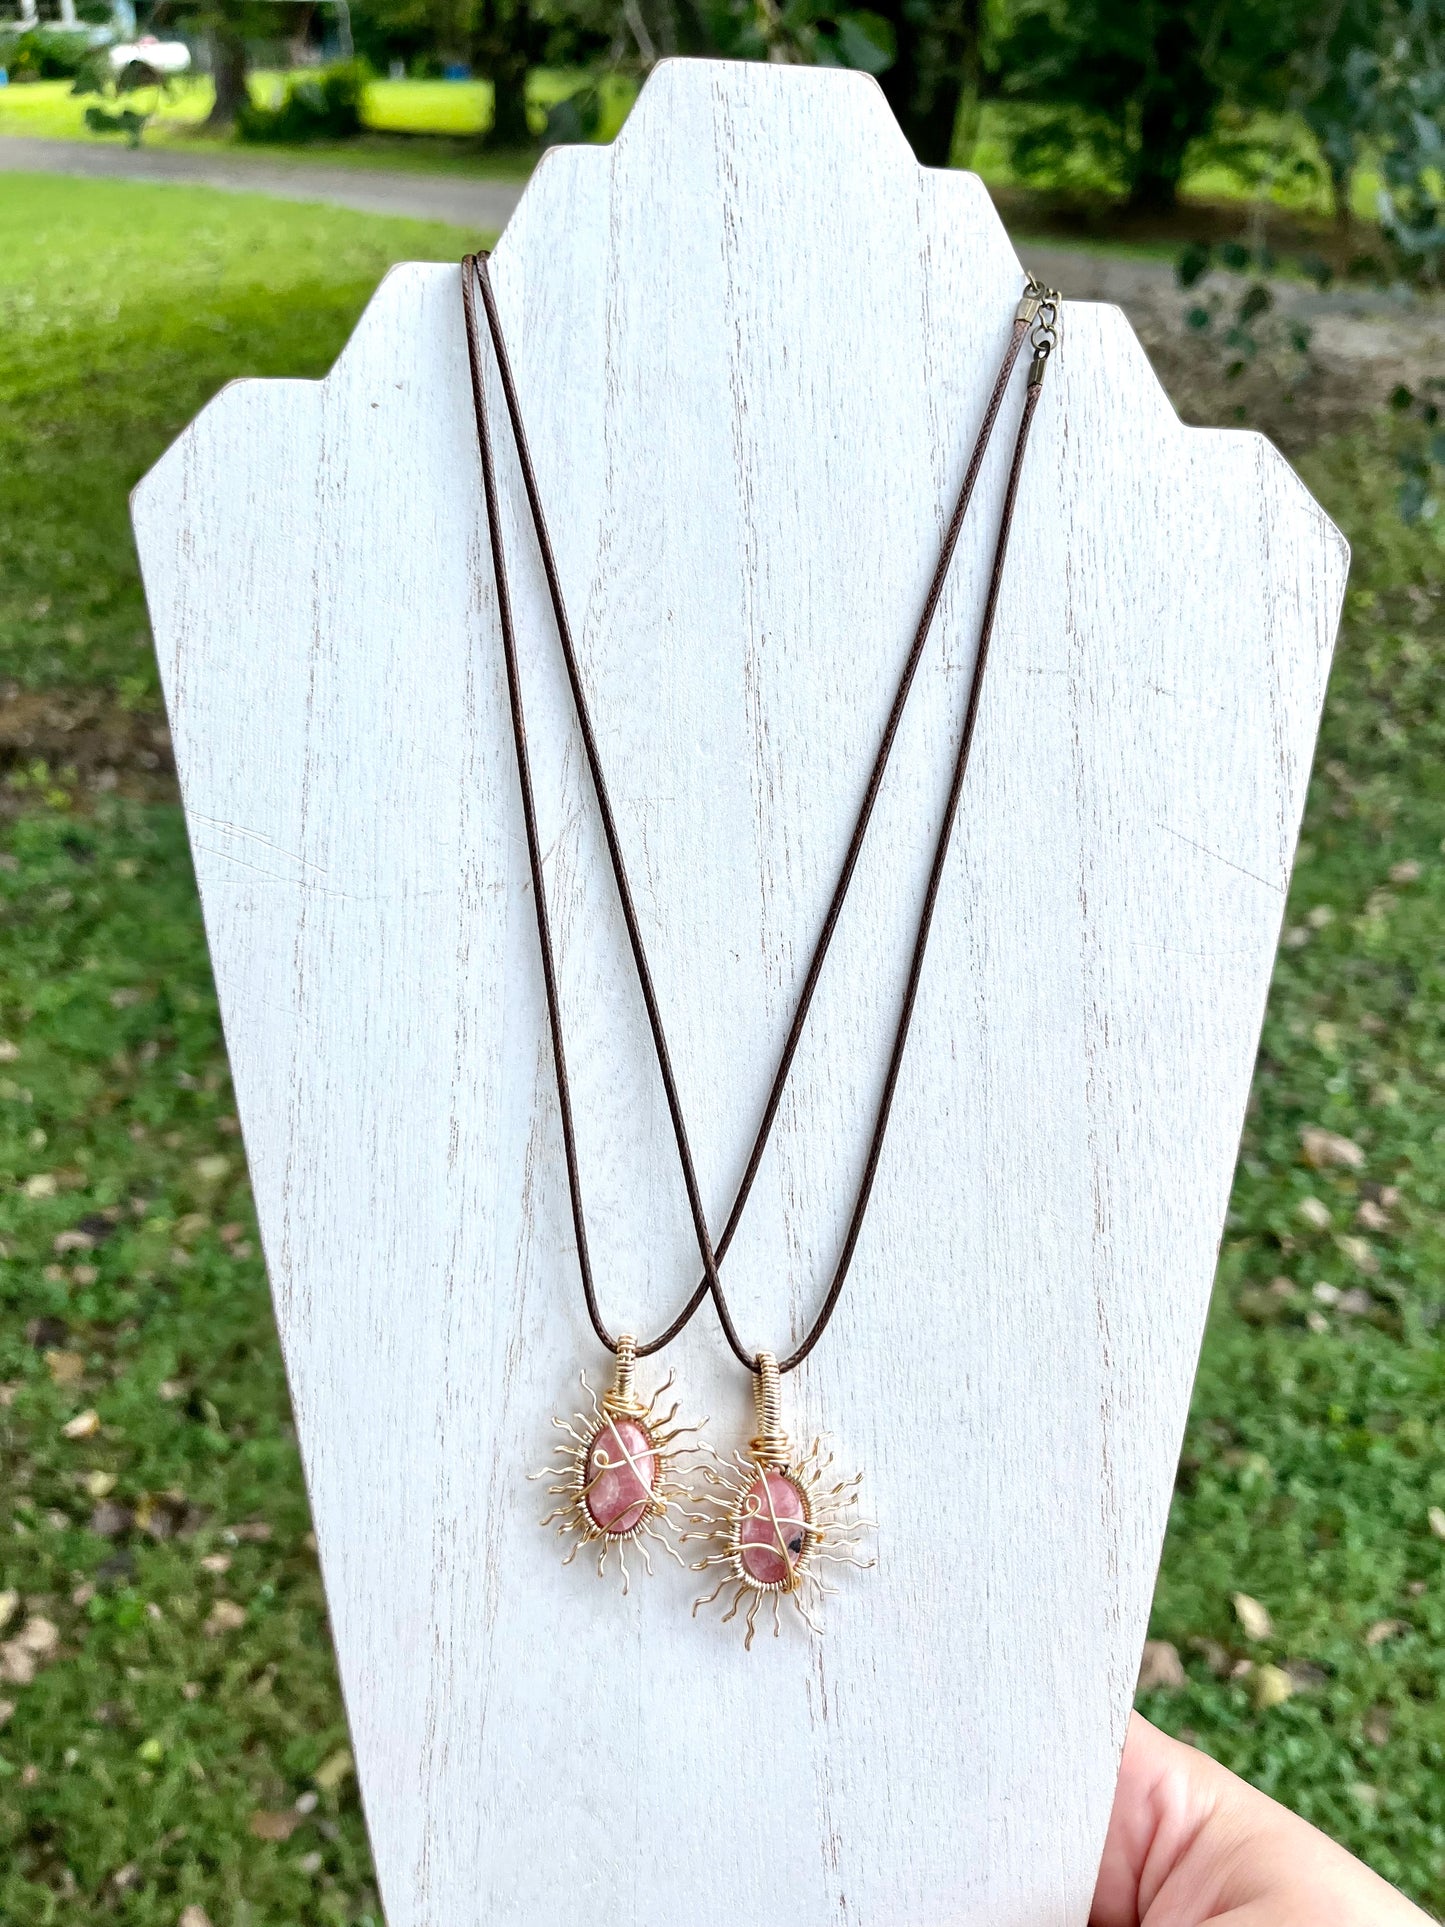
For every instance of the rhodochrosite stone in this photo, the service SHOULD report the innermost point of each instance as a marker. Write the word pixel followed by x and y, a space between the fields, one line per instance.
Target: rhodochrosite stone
pixel 771 1534
pixel 753 341
pixel 621 1472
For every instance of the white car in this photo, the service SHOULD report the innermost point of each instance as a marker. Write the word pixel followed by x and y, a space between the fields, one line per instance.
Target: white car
pixel 163 57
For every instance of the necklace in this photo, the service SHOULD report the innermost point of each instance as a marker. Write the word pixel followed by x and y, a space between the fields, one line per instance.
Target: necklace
pixel 771 1516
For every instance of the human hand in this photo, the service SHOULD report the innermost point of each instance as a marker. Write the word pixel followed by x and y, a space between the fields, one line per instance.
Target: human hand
pixel 1190 1845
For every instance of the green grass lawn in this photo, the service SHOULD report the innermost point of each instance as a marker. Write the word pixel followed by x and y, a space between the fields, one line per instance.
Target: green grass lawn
pixel 181 1741
pixel 449 110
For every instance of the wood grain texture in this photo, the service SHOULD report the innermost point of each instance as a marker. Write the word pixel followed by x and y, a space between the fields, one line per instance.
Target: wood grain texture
pixel 753 340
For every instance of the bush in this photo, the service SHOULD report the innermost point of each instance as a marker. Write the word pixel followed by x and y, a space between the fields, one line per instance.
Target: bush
pixel 322 106
pixel 44 53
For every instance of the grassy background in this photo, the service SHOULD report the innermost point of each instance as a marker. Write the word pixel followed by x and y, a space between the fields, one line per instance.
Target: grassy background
pixel 182 1742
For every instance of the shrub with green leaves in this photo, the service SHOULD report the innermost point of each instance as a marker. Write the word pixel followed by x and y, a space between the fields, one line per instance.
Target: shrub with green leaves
pixel 314 107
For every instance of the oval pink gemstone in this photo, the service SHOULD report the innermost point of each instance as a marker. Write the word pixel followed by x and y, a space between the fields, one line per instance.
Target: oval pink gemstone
pixel 773 1530
pixel 621 1472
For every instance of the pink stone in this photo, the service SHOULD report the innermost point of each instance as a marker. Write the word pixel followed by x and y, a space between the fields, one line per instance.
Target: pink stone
pixel 621 1472
pixel 773 1530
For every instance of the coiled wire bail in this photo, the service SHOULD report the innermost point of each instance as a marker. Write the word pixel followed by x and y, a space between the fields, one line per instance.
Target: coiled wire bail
pixel 622 1400
pixel 771 1446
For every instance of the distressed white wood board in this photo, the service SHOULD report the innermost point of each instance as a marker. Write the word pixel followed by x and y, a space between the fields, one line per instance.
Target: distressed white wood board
pixel 753 341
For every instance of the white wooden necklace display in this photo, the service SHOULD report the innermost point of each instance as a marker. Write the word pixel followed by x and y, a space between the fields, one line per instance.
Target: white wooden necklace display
pixel 752 340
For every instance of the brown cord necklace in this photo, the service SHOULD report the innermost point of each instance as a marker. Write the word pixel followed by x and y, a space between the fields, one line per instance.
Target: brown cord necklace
pixel 771 1516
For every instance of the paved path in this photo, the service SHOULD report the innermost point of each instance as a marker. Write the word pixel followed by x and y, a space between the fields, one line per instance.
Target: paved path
pixel 1392 327
pixel 458 198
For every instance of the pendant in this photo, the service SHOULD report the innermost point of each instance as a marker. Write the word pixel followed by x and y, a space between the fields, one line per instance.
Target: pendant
pixel 774 1519
pixel 618 1480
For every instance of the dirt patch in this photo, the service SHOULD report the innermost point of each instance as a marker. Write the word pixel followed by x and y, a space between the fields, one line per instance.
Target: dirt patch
pixel 81 742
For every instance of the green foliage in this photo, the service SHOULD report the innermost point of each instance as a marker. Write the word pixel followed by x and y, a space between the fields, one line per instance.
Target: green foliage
pixel 321 106
pixel 1136 86
pixel 43 53
pixel 1409 124
pixel 1421 456
pixel 803 30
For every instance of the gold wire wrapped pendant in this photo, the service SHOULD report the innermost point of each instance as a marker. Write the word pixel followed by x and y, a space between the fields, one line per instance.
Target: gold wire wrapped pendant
pixel 773 1519
pixel 618 1479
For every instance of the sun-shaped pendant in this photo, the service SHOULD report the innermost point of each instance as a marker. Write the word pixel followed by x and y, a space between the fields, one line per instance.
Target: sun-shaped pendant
pixel 618 1479
pixel 773 1520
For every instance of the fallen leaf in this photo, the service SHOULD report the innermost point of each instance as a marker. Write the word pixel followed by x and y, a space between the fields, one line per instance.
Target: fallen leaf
pixel 1161 1669
pixel 126 998
pixel 332 1772
pixel 1216 1657
pixel 191 1226
pixel 1317 1323
pixel 190 1691
pixel 1384 1629
pixel 224 1617
pixel 40 1637
pixel 17 1667
pixel 217 1562
pixel 9 1601
pixel 72 1241
pixel 311 1863
pixel 84 1425
pixel 276 1826
pixel 1325 1148
pixel 1325 1294
pixel 83 1594
pixel 1305 1676
pixel 65 1368
pixel 1368 1796
pixel 43 1184
pixel 210 1170
pixel 170 1389
pixel 1406 872
pixel 8 1051
pixel 1271 1686
pixel 1357 1302
pixel 1372 1217
pixel 1320 918
pixel 252 1532
pixel 1377 1725
pixel 124 1878
pixel 1361 1253
pixel 98 1485
pixel 193 1916
pixel 1314 1211
pixel 307 1803
pixel 111 1521
pixel 7 1709
pixel 160 1515
pixel 1436 1516
pixel 1253 1618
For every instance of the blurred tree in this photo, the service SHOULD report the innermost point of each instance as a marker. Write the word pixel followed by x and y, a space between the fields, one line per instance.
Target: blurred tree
pixel 1136 82
pixel 935 80
pixel 1336 77
pixel 1408 126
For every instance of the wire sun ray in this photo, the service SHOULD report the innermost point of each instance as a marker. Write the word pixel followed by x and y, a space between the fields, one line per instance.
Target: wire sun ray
pixel 615 1472
pixel 773 1520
